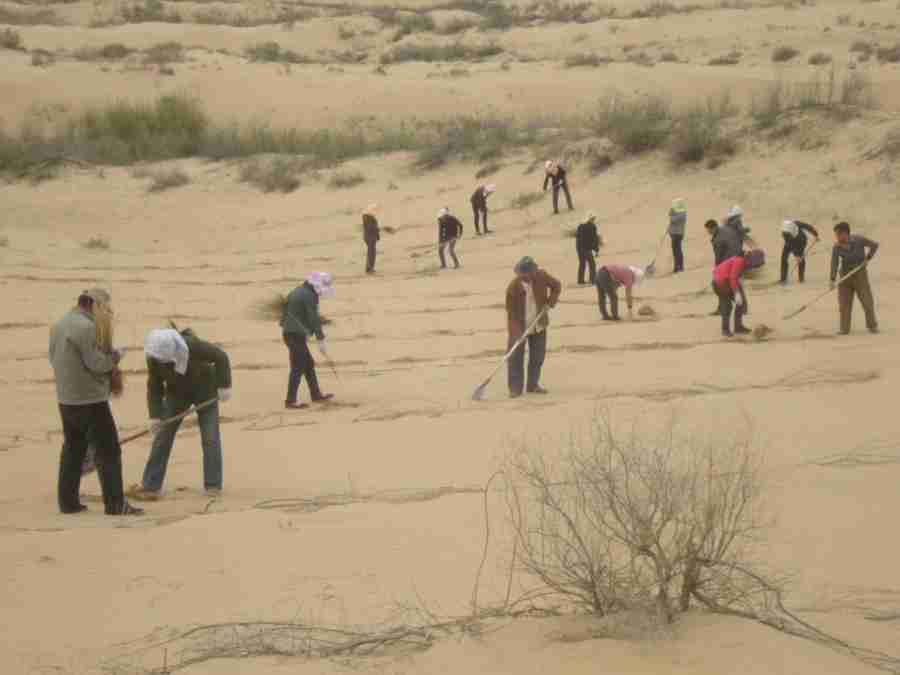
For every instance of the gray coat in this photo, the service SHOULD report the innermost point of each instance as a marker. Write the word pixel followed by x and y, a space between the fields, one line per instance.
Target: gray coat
pixel 82 371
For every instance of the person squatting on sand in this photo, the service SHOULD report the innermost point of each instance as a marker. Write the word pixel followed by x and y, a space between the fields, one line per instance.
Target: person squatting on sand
pixel 300 321
pixel 450 230
pixel 850 252
pixel 609 278
pixel 587 243
pixel 83 373
pixel 555 174
pixel 531 294
pixel 677 227
pixel 371 235
pixel 183 371
pixel 727 285
pixel 794 234
pixel 479 206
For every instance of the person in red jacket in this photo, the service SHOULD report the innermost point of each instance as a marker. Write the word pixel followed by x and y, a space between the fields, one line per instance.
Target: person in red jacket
pixel 727 285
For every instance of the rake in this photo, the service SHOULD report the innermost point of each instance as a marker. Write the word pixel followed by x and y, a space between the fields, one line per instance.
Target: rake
pixel 478 394
pixel 650 270
pixel 803 308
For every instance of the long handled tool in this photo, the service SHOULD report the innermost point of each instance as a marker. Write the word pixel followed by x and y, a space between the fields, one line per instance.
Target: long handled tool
pixel 650 270
pixel 803 308
pixel 169 420
pixel 478 395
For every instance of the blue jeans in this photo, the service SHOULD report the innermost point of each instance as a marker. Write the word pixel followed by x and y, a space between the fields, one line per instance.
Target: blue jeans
pixel 208 418
pixel 537 351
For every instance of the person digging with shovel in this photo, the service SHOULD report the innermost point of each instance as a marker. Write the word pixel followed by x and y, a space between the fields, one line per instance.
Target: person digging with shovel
pixel 794 234
pixel 183 371
pixel 529 297
pixel 609 278
pixel 727 285
pixel 450 230
pixel 853 252
pixel 299 322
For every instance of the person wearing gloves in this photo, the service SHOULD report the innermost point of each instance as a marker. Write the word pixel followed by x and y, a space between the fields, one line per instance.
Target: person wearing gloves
pixel 299 322
pixel 609 278
pixel 371 235
pixel 677 227
pixel 850 252
pixel 794 234
pixel 479 206
pixel 727 285
pixel 528 295
pixel 587 244
pixel 450 230
pixel 183 371
pixel 83 374
pixel 555 174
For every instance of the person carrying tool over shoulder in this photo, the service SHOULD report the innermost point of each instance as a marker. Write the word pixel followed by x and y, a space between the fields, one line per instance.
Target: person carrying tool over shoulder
pixel 587 243
pixel 555 174
pixel 479 206
pixel 794 234
pixel 531 294
pixel 299 322
pixel 851 252
pixel 183 370
pixel 609 278
pixel 450 230
pixel 677 227
pixel 727 285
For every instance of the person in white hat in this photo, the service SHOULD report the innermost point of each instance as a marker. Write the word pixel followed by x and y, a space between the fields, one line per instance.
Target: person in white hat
pixel 450 230
pixel 555 174
pixel 794 234
pixel 371 235
pixel 587 244
pixel 479 206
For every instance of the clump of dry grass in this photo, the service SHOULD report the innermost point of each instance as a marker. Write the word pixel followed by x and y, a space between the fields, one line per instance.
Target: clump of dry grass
pixel 889 54
pixel 97 243
pixel 525 199
pixel 41 58
pixel 279 175
pixel 11 39
pixel 40 17
pixel 167 180
pixel 783 54
pixel 730 59
pixel 820 59
pixel 342 180
pixel 586 60
pixel 4 241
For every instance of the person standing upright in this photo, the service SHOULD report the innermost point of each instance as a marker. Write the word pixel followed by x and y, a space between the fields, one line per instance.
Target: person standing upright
pixel 371 235
pixel 794 234
pixel 587 243
pixel 83 373
pixel 479 206
pixel 677 226
pixel 300 321
pixel 529 297
pixel 851 252
pixel 450 230
pixel 555 174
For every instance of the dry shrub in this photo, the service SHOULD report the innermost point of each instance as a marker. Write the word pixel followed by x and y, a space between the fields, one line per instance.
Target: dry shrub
pixel 844 20
pixel 730 59
pixel 97 243
pixel 862 48
pixel 430 53
pixel 272 52
pixel 784 54
pixel 150 11
pixel 636 125
pixel 164 53
pixel 668 57
pixel 820 59
pixel 525 199
pixel 40 17
pixel 342 180
pixel 4 241
pixel 889 54
pixel 586 60
pixel 41 58
pixel 11 39
pixel 167 180
pixel 110 52
pixel 277 175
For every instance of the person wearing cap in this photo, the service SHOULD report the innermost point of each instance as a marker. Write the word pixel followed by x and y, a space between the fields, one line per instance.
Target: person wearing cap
pixel 371 235
pixel 609 278
pixel 794 234
pixel 587 244
pixel 727 285
pixel 299 322
pixel 450 230
pixel 183 371
pixel 83 373
pixel 529 297
pixel 735 220
pixel 479 206
pixel 852 252
pixel 677 227
pixel 555 174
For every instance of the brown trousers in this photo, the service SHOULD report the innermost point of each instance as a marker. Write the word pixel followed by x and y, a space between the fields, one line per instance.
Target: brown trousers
pixel 857 285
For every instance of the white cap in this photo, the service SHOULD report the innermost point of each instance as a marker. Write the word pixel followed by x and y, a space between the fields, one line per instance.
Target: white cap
pixel 735 211
pixel 443 212
pixel 790 227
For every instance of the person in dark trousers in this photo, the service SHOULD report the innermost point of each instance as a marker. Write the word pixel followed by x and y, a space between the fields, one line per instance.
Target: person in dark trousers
pixel 479 206
pixel 677 227
pixel 530 293
pixel 371 235
pixel 83 373
pixel 850 252
pixel 555 175
pixel 587 243
pixel 726 243
pixel 794 234
pixel 450 230
pixel 727 285
pixel 300 321
pixel 609 278
pixel 183 371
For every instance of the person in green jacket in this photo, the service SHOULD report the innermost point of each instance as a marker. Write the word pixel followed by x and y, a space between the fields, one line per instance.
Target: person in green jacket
pixel 299 321
pixel 183 370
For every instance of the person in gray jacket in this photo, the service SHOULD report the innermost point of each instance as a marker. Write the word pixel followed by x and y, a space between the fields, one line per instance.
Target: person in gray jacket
pixel 299 322
pixel 83 374
pixel 677 226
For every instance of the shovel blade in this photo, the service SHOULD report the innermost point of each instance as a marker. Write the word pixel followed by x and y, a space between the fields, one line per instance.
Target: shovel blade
pixel 478 394
pixel 650 270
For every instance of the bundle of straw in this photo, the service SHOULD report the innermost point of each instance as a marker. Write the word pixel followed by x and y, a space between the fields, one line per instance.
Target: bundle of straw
pixel 103 320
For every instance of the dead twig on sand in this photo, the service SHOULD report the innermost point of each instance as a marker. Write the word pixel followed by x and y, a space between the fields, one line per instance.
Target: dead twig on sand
pixel 400 496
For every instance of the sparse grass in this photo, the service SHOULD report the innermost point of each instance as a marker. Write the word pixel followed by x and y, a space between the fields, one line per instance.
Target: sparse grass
pixel 731 59
pixel 468 137
pixel 111 52
pixel 149 11
pixel 4 241
pixel 783 54
pixel 497 16
pixel 342 180
pixel 555 11
pixel 637 125
pixel 219 16
pixel 11 39
pixel 167 180
pixel 525 199
pixel 278 175
pixel 408 24
pixel 272 52
pixel 41 58
pixel 39 17
pixel 487 170
pixel 432 53
pixel 844 98
pixel 888 54
pixel 96 244
pixel 164 53
pixel 668 57
pixel 661 8
pixel 698 135
pixel 456 26
pixel 844 20
pixel 820 59
pixel 585 60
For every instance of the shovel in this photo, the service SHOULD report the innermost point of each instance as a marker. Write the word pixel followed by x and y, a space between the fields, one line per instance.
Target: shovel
pixel 169 420
pixel 478 395
pixel 650 270
pixel 823 294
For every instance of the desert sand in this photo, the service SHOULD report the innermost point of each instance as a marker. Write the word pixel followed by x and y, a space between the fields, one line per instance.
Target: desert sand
pixel 404 445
